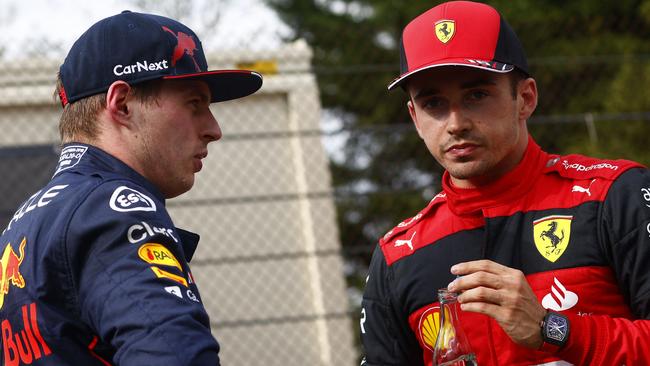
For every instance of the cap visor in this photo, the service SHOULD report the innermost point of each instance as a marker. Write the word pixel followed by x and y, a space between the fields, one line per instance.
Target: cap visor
pixel 226 84
pixel 493 66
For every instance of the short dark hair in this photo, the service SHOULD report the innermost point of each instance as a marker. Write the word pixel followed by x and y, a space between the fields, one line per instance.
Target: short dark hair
pixel 516 76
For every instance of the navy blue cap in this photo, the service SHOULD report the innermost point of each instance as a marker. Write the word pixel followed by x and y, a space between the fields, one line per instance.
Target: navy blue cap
pixel 136 47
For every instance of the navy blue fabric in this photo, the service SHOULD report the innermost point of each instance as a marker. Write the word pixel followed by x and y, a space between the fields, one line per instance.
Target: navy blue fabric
pixel 82 243
pixel 136 47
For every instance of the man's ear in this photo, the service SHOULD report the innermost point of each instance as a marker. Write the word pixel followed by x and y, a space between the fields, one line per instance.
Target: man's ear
pixel 117 105
pixel 527 89
pixel 414 116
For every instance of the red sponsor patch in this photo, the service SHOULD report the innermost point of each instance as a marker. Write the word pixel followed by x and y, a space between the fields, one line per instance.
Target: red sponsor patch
pixel 10 267
pixel 26 345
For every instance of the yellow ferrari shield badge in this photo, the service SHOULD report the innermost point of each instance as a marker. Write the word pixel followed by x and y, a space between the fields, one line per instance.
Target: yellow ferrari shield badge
pixel 445 29
pixel 552 234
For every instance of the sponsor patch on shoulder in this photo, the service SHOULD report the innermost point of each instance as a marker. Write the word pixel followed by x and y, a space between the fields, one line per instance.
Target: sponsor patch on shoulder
pixel 164 274
pixel 70 156
pixel 126 199
pixel 142 230
pixel 155 253
pixel 192 296
pixel 174 290
pixel 645 192
pixel 584 167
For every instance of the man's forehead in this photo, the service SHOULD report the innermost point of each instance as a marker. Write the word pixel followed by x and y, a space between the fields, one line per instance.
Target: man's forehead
pixel 459 76
pixel 189 87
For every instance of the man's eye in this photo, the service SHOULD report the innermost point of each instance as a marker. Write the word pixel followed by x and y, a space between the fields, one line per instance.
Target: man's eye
pixel 432 103
pixel 477 95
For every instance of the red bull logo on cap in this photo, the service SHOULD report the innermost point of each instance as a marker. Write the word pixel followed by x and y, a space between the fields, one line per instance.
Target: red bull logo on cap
pixel 10 266
pixel 185 46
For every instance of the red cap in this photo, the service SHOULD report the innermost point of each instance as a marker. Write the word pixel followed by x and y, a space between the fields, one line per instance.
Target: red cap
pixel 459 33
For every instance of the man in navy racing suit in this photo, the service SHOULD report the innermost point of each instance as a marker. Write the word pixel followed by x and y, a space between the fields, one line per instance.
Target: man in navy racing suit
pixel 93 271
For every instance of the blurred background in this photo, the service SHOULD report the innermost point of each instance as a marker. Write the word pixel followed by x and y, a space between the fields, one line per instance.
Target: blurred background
pixel 320 163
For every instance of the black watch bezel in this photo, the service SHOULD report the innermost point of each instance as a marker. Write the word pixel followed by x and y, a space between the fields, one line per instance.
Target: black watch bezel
pixel 555 329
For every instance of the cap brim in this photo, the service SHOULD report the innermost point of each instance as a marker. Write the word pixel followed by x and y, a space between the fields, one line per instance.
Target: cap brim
pixel 493 66
pixel 226 84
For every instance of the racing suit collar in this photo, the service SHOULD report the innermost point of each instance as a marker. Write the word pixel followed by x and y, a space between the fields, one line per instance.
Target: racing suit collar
pixel 467 201
pixel 91 160
pixel 189 241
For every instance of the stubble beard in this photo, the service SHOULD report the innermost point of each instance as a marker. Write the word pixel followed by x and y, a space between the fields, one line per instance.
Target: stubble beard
pixel 468 169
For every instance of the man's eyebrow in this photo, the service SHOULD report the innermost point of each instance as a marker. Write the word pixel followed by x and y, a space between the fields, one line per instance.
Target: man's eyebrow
pixel 194 92
pixel 466 85
pixel 426 92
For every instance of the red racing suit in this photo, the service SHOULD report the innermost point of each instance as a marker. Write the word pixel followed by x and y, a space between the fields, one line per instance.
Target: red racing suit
pixel 577 227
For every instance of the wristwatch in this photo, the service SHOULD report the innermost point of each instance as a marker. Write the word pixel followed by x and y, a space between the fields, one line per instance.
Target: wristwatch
pixel 555 331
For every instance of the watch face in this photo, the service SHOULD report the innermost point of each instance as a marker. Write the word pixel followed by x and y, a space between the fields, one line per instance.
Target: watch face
pixel 556 327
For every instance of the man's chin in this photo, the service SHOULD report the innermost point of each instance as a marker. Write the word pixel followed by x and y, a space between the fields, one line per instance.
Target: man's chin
pixel 178 189
pixel 466 170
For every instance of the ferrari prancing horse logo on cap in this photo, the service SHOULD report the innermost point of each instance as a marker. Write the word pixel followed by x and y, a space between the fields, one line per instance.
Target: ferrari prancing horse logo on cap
pixel 445 29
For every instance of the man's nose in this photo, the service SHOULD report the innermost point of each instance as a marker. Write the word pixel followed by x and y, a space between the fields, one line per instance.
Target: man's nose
pixel 458 122
pixel 212 131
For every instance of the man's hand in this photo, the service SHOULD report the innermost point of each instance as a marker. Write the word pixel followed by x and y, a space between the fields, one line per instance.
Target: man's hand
pixel 503 294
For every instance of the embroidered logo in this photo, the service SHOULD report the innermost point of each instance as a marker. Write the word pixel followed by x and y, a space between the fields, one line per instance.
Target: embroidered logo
pixel 10 266
pixel 164 274
pixel 410 221
pixel 126 199
pixel 174 290
pixel 70 156
pixel 580 189
pixel 409 242
pixel 155 253
pixel 430 326
pixel 646 196
pixel 185 45
pixel 404 223
pixel 445 30
pixel 552 235
pixel 559 298
pixel 581 168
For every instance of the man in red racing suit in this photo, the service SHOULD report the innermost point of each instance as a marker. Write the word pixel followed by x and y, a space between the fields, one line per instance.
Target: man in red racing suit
pixel 528 233
pixel 598 277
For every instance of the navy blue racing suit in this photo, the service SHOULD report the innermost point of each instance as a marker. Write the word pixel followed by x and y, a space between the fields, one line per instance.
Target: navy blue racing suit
pixel 93 272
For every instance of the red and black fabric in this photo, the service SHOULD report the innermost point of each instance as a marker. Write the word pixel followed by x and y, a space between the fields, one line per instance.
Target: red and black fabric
pixel 577 227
